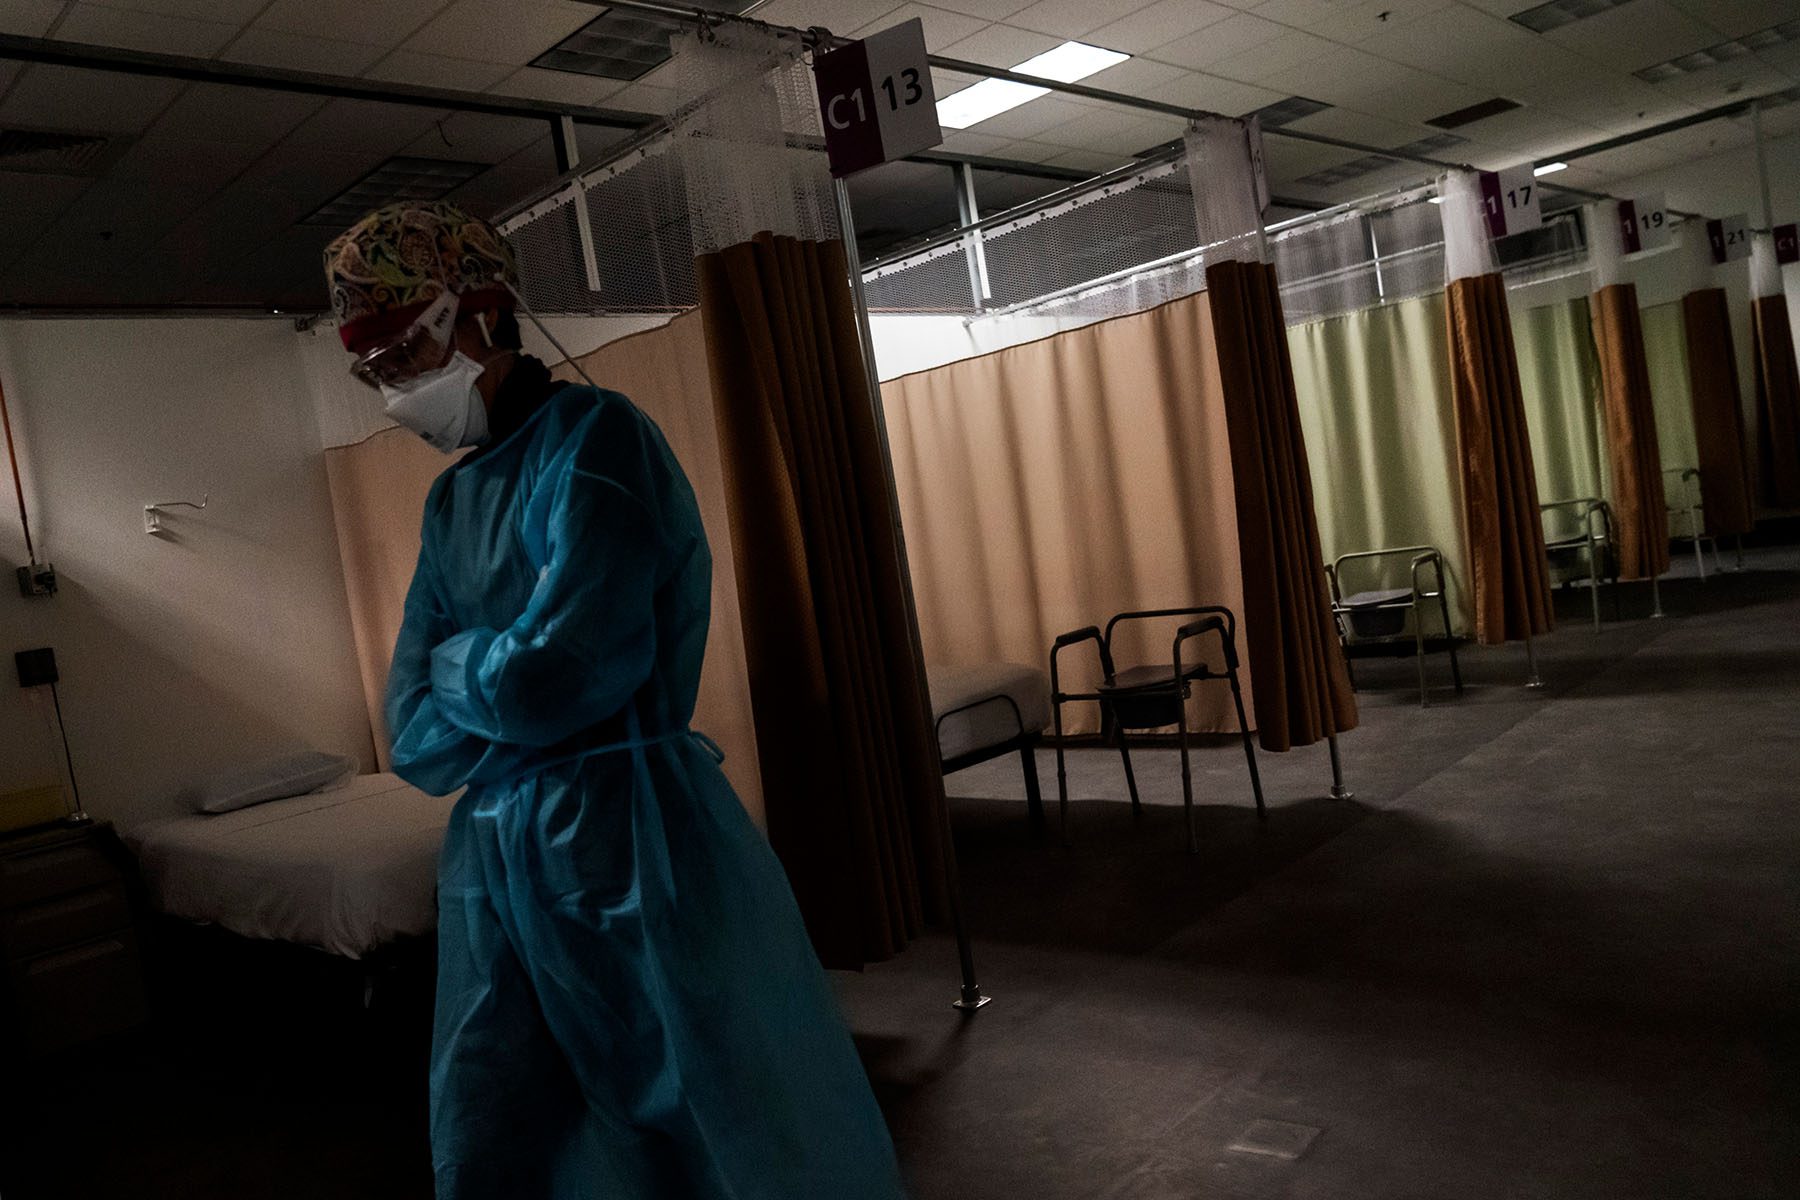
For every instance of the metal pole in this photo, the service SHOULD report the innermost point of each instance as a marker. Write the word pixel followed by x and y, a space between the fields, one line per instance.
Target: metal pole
pixel 1535 680
pixel 969 209
pixel 1762 164
pixel 971 997
pixel 568 157
pixel 1338 790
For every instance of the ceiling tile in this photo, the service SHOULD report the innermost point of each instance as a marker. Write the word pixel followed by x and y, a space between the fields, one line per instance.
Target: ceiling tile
pixel 1360 127
pixel 352 20
pixel 434 70
pixel 1073 18
pixel 992 10
pixel 1209 93
pixel 1032 119
pixel 1002 46
pixel 968 141
pixel 295 52
pixel 1455 41
pixel 1349 21
pixel 1257 62
pixel 1635 35
pixel 1030 152
pixel 31 202
pixel 150 32
pixel 69 98
pixel 476 137
pixel 1115 128
pixel 567 87
pixel 1234 35
pixel 29 18
pixel 505 31
pixel 233 12
pixel 236 114
pixel 1156 25
pixel 363 127
pixel 1734 18
pixel 941 28
pixel 1094 162
pixel 1134 76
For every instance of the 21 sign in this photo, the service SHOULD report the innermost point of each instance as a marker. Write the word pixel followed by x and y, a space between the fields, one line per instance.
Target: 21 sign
pixel 1730 238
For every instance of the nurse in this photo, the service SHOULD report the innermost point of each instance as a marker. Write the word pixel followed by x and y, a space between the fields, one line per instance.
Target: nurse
pixel 627 1002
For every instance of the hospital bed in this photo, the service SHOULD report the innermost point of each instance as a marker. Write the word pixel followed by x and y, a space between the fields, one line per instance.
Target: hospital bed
pixel 350 871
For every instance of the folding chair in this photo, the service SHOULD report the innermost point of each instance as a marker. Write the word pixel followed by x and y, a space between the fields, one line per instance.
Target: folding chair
pixel 1380 615
pixel 1151 697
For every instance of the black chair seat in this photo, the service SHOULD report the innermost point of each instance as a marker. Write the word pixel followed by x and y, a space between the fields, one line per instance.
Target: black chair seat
pixel 1151 677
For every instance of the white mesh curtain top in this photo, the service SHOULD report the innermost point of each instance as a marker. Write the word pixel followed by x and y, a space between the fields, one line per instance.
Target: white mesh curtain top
pixel 1468 248
pixel 1227 208
pixel 1360 259
pixel 748 139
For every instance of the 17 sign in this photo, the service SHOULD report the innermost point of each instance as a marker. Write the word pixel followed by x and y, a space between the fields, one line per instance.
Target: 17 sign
pixel 876 99
pixel 1509 201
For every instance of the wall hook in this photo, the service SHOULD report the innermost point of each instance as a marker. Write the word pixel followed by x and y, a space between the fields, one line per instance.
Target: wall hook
pixel 153 512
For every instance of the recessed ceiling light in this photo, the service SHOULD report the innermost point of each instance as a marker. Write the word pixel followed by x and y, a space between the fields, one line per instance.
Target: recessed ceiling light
pixel 399 178
pixel 621 45
pixel 1721 52
pixel 1558 13
pixel 1549 168
pixel 1067 63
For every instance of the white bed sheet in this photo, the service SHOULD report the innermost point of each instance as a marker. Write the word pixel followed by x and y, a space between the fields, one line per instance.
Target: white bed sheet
pixel 347 870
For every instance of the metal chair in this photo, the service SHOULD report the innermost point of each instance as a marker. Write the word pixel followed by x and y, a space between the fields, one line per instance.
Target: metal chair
pixel 1151 697
pixel 1594 541
pixel 1688 479
pixel 1380 615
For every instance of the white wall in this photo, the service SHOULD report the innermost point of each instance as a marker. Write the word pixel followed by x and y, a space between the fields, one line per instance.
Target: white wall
pixel 223 640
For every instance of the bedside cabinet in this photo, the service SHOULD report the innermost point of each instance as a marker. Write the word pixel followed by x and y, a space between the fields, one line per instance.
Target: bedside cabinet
pixel 68 939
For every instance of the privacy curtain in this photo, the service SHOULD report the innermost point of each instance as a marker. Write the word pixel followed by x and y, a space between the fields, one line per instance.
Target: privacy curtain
pixel 1727 488
pixel 1640 506
pixel 1559 382
pixel 1777 402
pixel 1050 485
pixel 1380 432
pixel 854 798
pixel 1302 685
pixel 1671 394
pixel 378 488
pixel 1510 577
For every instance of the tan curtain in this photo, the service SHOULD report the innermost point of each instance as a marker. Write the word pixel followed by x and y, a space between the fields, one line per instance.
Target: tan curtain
pixel 1509 575
pixel 378 491
pixel 849 764
pixel 1640 507
pixel 1777 402
pixel 1302 686
pixel 1727 495
pixel 1050 485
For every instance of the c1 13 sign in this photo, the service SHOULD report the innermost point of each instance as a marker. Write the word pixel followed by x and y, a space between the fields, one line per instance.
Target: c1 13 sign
pixel 876 99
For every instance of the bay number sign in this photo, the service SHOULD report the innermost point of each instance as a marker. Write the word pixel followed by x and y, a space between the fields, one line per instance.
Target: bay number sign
pixel 876 99
pixel 1509 201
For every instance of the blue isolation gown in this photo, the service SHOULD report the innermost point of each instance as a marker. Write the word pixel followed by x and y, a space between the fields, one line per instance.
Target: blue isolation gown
pixel 627 1003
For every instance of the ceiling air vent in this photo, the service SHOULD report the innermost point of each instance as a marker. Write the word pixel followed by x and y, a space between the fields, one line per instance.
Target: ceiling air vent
pixel 620 45
pixel 1286 112
pixel 399 178
pixel 1356 168
pixel 1558 13
pixel 58 152
pixel 1474 113
pixel 1437 143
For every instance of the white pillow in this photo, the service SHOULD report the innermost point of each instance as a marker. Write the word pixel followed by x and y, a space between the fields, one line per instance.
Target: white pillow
pixel 275 779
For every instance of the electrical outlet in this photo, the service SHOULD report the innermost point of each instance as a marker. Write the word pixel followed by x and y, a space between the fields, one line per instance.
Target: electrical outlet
pixel 37 579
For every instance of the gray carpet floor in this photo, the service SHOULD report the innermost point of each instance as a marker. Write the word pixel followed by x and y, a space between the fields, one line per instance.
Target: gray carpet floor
pixel 1550 950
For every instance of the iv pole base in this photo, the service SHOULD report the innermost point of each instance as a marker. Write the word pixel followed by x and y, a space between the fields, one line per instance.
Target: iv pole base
pixel 972 999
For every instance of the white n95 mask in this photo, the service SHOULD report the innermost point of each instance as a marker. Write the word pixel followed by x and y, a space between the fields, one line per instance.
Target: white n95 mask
pixel 443 406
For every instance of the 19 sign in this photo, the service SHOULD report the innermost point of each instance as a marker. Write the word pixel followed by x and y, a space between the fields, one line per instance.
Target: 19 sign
pixel 876 99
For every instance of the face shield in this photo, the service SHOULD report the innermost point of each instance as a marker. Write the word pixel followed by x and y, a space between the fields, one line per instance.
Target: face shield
pixel 422 346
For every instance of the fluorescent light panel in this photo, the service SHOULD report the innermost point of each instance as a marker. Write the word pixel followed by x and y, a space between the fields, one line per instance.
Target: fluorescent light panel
pixel 1067 63
pixel 1549 168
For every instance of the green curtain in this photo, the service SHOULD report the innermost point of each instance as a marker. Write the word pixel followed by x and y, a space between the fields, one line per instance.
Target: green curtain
pixel 1559 374
pixel 1672 396
pixel 1375 408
